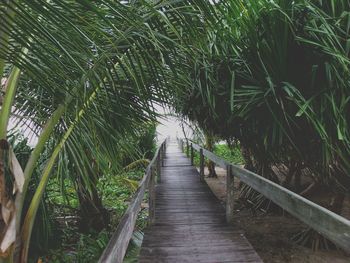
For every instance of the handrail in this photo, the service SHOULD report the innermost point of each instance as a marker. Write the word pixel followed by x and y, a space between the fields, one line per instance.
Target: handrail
pixel 117 245
pixel 333 226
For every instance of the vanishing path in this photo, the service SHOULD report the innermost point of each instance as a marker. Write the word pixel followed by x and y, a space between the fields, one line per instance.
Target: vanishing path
pixel 190 223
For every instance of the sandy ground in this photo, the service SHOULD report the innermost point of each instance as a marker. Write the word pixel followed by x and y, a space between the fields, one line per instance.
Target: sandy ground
pixel 271 234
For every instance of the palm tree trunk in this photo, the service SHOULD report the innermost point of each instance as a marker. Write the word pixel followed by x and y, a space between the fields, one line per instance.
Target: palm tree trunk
pixel 248 162
pixel 92 214
pixel 209 145
pixel 5 113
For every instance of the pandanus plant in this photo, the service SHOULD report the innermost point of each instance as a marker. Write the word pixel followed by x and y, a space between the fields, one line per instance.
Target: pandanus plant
pixel 275 76
pixel 78 69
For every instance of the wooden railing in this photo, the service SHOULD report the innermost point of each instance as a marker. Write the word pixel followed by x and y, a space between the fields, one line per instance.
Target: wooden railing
pixel 116 248
pixel 331 225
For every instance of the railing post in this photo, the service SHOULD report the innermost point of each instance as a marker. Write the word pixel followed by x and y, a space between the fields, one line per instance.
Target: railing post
pixel 158 168
pixel 201 165
pixel 187 148
pixel 229 194
pixel 163 154
pixel 192 155
pixel 151 197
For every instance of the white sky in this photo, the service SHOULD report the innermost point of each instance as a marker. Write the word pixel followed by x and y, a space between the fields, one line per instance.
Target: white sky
pixel 169 126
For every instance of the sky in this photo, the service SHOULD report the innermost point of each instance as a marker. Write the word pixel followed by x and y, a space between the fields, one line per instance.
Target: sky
pixel 168 126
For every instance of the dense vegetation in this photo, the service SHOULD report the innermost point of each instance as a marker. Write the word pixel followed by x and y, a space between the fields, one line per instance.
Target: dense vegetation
pixel 69 230
pixel 274 76
pixel 85 78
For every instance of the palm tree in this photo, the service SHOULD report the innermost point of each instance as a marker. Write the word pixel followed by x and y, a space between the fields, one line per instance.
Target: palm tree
pixel 81 69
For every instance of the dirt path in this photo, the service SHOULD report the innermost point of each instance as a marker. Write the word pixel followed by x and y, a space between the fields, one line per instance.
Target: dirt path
pixel 271 234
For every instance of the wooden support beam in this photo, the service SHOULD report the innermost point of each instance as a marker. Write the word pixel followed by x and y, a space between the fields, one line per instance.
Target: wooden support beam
pixel 192 155
pixel 201 165
pixel 162 155
pixel 187 148
pixel 151 197
pixel 159 174
pixel 229 194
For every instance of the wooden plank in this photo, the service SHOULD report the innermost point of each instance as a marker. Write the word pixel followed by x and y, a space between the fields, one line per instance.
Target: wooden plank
pixel 229 194
pixel 190 222
pixel 326 222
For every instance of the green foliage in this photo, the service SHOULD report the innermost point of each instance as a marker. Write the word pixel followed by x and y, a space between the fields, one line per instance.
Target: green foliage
pixel 231 154
pixel 62 194
pixel 91 73
pixel 46 233
pixel 88 248
pixel 117 190
pixel 61 200
pixel 146 142
pixel 274 76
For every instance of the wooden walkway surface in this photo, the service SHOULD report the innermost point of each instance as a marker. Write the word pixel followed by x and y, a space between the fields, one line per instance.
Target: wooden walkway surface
pixel 190 222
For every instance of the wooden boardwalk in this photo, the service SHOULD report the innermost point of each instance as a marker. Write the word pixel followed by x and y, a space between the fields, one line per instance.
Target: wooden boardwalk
pixel 190 223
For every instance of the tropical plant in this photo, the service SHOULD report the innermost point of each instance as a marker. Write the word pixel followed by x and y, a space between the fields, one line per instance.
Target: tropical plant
pixel 274 75
pixel 78 70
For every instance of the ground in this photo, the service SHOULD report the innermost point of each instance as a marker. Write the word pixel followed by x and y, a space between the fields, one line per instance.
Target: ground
pixel 270 234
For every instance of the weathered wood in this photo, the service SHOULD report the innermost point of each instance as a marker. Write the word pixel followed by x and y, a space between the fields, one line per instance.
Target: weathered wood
pixel 190 223
pixel 229 194
pixel 159 172
pixel 216 159
pixel 151 198
pixel 187 148
pixel 162 153
pixel 116 248
pixel 196 147
pixel 181 144
pixel 201 165
pixel 329 224
pixel 192 155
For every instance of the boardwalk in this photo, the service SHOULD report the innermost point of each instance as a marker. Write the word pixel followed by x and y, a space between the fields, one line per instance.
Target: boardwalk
pixel 190 221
